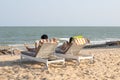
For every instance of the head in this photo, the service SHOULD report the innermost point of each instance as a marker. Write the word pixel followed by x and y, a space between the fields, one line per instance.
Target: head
pixel 44 36
pixel 71 39
pixel 88 41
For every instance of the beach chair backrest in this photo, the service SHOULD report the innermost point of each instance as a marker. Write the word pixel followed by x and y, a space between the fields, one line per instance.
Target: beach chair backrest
pixel 80 41
pixel 46 50
pixel 74 49
pixel 76 46
pixel 52 40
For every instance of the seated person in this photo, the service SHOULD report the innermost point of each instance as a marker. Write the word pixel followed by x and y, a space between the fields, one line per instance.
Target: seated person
pixel 79 39
pixel 44 36
pixel 44 39
pixel 65 46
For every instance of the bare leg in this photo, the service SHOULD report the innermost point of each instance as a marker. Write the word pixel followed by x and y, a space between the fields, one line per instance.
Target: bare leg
pixel 29 49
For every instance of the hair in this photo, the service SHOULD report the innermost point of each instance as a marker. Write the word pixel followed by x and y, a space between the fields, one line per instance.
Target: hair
pixel 71 39
pixel 44 36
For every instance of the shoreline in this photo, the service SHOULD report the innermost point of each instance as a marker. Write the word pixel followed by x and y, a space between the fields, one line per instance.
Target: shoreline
pixel 15 49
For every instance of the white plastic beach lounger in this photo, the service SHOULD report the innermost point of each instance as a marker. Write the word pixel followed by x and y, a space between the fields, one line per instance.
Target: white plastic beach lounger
pixel 45 54
pixel 73 53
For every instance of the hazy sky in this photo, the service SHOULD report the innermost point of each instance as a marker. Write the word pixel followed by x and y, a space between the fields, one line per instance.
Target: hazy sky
pixel 59 12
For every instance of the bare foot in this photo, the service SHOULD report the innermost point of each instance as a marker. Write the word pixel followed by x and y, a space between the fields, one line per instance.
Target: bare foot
pixel 26 45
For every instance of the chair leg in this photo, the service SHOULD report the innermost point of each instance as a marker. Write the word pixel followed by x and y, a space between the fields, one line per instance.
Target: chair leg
pixel 64 65
pixel 46 65
pixel 20 60
pixel 78 61
pixel 92 60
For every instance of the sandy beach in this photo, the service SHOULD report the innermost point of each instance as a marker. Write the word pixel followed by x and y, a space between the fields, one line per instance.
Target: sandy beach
pixel 106 66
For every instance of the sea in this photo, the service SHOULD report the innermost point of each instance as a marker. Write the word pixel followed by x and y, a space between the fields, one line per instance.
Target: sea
pixel 19 35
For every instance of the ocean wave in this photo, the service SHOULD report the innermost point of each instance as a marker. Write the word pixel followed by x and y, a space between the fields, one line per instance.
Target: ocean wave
pixel 96 41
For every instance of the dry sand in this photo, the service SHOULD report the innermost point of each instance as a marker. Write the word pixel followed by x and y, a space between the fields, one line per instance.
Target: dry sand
pixel 106 66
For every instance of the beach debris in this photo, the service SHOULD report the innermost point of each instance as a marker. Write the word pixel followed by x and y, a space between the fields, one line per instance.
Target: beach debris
pixel 113 43
pixel 6 50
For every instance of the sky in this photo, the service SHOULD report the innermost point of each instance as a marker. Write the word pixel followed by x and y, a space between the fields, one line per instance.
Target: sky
pixel 59 12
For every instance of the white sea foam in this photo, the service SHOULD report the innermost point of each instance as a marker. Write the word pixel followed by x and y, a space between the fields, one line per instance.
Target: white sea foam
pixel 96 41
pixel 102 41
pixel 64 39
pixel 92 42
